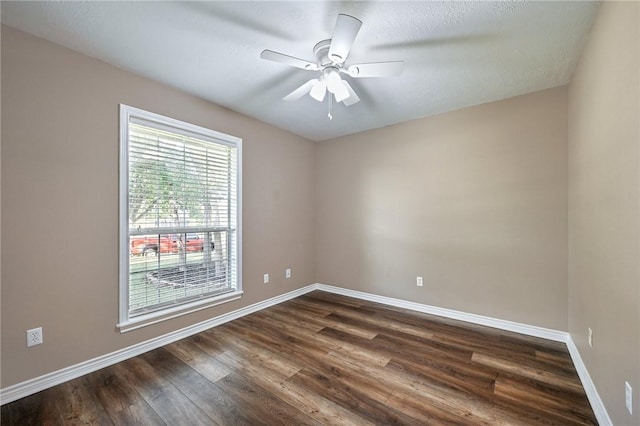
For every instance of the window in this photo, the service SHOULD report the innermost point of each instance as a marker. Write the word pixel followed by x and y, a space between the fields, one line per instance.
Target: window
pixel 180 217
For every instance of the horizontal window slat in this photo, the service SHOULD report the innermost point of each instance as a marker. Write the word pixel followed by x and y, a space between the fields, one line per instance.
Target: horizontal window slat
pixel 183 230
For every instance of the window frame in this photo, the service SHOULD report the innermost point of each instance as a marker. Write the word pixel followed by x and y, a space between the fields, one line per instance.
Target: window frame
pixel 127 323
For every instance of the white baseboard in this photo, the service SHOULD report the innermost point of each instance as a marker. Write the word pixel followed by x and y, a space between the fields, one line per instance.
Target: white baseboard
pixel 48 380
pixel 589 387
pixel 530 330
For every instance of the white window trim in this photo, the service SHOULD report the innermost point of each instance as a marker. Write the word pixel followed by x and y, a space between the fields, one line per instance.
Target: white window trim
pixel 128 324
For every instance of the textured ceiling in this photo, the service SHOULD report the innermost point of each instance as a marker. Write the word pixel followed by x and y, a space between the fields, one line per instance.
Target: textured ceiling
pixel 456 54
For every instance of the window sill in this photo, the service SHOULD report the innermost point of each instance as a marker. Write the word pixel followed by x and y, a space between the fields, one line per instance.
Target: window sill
pixel 170 313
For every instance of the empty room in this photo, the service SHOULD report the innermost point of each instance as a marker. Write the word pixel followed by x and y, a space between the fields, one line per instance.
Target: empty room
pixel 320 212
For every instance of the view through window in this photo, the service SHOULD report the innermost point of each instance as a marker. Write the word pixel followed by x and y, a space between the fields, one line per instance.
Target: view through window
pixel 182 214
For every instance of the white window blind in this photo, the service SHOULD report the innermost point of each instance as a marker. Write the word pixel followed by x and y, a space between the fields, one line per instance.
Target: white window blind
pixel 182 197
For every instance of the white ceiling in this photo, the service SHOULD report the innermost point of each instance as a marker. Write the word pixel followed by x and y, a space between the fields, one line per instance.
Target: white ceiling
pixel 456 54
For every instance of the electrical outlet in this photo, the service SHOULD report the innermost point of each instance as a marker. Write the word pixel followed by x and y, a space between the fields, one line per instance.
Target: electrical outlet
pixel 34 337
pixel 266 278
pixel 590 335
pixel 287 273
pixel 628 397
pixel 419 282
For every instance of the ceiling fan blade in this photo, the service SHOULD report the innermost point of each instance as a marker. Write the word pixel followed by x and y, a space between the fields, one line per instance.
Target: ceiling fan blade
pixel 301 91
pixel 376 69
pixel 319 90
pixel 270 55
pixel 353 97
pixel 344 34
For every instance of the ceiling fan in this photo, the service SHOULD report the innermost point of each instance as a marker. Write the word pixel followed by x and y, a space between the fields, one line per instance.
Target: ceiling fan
pixel 330 56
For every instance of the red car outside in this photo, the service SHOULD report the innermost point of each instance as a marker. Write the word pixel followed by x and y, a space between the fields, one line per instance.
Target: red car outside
pixel 165 244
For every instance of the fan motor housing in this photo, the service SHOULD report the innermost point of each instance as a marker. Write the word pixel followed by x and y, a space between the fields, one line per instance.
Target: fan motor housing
pixel 321 52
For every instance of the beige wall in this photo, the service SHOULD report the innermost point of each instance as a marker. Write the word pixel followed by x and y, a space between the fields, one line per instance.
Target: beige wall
pixel 473 200
pixel 60 203
pixel 604 213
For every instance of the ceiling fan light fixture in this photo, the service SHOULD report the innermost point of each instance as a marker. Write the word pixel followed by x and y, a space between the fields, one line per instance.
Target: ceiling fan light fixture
pixel 353 96
pixel 319 90
pixel 333 79
pixel 341 94
pixel 335 84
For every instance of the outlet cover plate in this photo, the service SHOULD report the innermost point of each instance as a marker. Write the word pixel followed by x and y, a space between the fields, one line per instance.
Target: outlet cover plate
pixel 34 337
pixel 266 278
pixel 287 273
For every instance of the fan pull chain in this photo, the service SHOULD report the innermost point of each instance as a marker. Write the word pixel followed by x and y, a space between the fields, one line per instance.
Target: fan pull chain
pixel 329 114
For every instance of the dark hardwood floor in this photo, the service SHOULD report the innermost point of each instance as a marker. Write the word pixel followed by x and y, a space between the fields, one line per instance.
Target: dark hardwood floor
pixel 332 360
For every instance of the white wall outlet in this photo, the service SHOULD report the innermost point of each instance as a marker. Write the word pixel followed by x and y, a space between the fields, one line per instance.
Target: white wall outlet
pixel 287 273
pixel 628 397
pixel 34 337
pixel 266 278
pixel 590 336
pixel 419 282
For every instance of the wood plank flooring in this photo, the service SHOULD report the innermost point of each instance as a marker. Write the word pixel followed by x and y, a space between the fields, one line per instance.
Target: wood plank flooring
pixel 327 359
